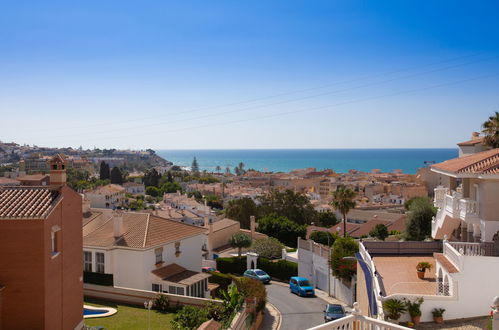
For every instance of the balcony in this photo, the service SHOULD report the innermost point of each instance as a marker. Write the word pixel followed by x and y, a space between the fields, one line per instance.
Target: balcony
pixel 453 203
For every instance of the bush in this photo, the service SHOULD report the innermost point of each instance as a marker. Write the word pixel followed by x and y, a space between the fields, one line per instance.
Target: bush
pixel 344 247
pixel 281 269
pixel 233 265
pixel 252 288
pixel 379 231
pixel 323 237
pixel 189 318
pixel 285 230
pixel 420 215
pixel 394 308
pixel 268 248
pixel 161 303
pixel 223 280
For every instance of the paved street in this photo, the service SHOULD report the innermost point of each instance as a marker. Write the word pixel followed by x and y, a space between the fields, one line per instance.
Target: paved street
pixel 298 313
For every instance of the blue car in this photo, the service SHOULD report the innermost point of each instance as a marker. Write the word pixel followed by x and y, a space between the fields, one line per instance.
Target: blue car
pixel 301 286
pixel 257 274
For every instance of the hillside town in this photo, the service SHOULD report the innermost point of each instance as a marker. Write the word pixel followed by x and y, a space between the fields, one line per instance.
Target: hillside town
pixel 181 238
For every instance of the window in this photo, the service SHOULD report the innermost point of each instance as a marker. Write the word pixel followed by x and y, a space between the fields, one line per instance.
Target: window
pixel 157 287
pixel 172 289
pixel 55 238
pixel 87 261
pixel 159 255
pixel 99 262
pixel 180 291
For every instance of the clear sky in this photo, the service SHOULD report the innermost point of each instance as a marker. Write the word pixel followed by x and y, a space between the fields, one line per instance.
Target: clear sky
pixel 247 74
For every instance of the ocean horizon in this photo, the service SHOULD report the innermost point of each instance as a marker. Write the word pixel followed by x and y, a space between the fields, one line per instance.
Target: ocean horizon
pixel 285 160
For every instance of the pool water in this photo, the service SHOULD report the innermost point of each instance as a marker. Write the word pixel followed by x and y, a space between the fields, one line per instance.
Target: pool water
pixel 87 311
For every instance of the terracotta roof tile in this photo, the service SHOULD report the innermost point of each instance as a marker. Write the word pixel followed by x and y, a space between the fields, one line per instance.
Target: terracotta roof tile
pixel 26 202
pixel 471 142
pixel 442 259
pixel 485 162
pixel 107 189
pixel 178 274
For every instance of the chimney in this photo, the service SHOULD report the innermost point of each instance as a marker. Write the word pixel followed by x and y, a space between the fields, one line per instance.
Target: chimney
pixel 206 221
pixel 475 135
pixel 169 211
pixel 57 170
pixel 118 224
pixel 252 226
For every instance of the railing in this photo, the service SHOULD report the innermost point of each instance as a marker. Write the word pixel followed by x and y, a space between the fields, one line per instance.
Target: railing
pixel 467 207
pixel 357 321
pixel 452 204
pixel 453 255
pixel 377 288
pixel 468 249
pixel 440 193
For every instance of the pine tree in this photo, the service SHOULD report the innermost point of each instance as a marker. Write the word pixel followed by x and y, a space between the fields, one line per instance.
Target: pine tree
pixel 195 166
pixel 116 176
pixel 104 171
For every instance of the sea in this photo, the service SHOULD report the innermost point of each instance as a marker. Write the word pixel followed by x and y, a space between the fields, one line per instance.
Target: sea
pixel 286 160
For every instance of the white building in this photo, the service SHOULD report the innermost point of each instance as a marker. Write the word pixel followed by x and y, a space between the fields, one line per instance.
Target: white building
pixel 134 188
pixel 109 196
pixel 146 252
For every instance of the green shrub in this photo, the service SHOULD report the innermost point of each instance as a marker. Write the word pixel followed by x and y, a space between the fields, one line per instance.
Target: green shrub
pixel 223 280
pixel 161 303
pixel 233 265
pixel 251 288
pixel 281 269
pixel 189 318
pixel 344 247
pixel 394 308
pixel 268 247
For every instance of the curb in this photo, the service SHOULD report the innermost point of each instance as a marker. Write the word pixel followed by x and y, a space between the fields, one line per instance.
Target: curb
pixel 278 316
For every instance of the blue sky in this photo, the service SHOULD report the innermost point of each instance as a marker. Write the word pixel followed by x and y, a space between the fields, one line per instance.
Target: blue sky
pixel 255 74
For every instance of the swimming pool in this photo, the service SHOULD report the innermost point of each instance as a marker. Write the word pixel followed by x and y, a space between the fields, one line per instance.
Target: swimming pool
pixel 91 312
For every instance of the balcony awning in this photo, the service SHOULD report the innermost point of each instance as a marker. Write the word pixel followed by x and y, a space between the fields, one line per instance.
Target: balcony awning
pixel 449 225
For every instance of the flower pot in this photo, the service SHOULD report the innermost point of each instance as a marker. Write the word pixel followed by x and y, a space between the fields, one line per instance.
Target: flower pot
pixel 421 274
pixel 416 319
pixel 438 319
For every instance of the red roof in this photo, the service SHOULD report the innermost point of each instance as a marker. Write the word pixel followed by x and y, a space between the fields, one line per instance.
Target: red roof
pixel 26 202
pixel 485 162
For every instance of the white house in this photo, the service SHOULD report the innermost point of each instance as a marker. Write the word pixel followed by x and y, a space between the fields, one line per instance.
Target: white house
pixel 146 252
pixel 109 196
pixel 134 188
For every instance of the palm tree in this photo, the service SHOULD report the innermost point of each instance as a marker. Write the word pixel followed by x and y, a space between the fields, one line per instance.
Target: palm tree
pixel 491 131
pixel 343 201
pixel 218 168
pixel 239 241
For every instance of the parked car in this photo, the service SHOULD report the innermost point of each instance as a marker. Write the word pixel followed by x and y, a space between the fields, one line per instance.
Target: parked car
pixel 209 269
pixel 301 286
pixel 333 312
pixel 257 274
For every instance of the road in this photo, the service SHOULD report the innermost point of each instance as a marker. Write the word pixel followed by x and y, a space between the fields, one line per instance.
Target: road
pixel 298 313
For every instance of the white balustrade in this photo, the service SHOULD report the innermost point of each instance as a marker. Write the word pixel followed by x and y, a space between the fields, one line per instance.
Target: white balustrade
pixel 440 193
pixel 467 207
pixel 358 322
pixel 468 249
pixel 453 255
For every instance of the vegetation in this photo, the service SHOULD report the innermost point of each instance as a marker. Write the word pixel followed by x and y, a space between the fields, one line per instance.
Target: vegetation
pixel 420 215
pixel 323 237
pixel 438 312
pixel 195 166
pixel 379 231
pixel 343 201
pixel 170 187
pixel 128 317
pixel 161 303
pixel 269 248
pixel 116 176
pixel 239 169
pixel 423 266
pixel 250 288
pixel 233 265
pixel 241 210
pixel 394 308
pixel 344 247
pixel 280 269
pixel 153 191
pixel 151 178
pixel 414 307
pixel 240 241
pixel 104 172
pixel 189 318
pixel 491 131
pixel 280 227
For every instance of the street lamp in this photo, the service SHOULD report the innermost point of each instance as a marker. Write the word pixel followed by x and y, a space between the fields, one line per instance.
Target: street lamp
pixel 372 300
pixel 148 306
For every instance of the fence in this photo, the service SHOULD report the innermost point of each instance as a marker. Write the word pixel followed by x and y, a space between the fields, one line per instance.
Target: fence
pixel 404 248
pixel 137 297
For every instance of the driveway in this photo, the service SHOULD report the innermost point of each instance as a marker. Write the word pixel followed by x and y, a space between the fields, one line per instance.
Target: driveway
pixel 298 313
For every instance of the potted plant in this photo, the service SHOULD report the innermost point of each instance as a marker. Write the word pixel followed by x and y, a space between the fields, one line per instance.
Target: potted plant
pixel 438 315
pixel 414 309
pixel 422 267
pixel 394 308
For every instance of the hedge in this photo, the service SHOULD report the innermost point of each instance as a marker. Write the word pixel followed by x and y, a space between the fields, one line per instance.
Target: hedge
pixel 223 280
pixel 233 265
pixel 281 269
pixel 98 278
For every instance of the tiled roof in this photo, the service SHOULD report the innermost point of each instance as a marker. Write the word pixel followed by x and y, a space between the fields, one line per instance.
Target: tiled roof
pixel 107 189
pixel 8 181
pixel 485 162
pixel 32 177
pixel 26 202
pixel 140 230
pixel 471 142
pixel 366 215
pixel 224 223
pixel 178 274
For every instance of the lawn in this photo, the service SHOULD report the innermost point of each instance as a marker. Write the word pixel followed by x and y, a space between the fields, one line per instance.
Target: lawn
pixel 128 317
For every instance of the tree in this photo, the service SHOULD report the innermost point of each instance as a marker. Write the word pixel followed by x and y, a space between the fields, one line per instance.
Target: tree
pixel 218 168
pixel 170 187
pixel 153 191
pixel 285 230
pixel 323 237
pixel 343 201
pixel 189 317
pixel 294 206
pixel 241 210
pixel 325 219
pixel 239 169
pixel 240 241
pixel 227 170
pixel 269 248
pixel 151 178
pixel 379 231
pixel 195 166
pixel 491 131
pixel 116 176
pixel 344 247
pixel 104 171
pixel 420 215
